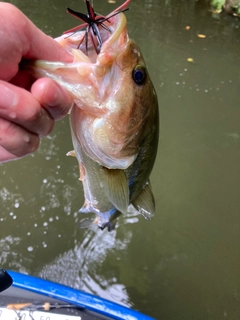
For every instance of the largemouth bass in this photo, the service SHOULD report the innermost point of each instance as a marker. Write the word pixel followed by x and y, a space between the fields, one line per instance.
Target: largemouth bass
pixel 114 120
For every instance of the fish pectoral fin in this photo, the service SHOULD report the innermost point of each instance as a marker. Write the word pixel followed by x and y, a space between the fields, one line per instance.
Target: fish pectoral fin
pixel 144 203
pixel 116 188
pixel 71 153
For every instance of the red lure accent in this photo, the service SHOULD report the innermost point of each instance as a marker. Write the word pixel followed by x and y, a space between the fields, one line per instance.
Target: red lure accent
pixel 92 21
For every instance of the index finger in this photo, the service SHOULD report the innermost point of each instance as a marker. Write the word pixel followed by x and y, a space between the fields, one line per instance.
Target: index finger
pixel 20 38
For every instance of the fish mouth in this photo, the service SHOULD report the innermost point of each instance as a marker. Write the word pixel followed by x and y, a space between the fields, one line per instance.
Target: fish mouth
pixel 114 37
pixel 85 58
pixel 116 41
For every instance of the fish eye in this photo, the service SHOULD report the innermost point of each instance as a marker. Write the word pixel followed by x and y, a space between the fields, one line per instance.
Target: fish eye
pixel 139 74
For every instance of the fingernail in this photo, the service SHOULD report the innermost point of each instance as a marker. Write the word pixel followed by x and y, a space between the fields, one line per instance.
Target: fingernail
pixel 8 98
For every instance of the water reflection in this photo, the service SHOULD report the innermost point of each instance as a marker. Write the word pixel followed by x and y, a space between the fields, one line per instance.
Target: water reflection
pixel 81 266
pixel 86 265
pixel 10 255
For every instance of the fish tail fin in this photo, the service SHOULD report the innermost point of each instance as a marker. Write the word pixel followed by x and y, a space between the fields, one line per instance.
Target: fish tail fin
pixel 103 220
pixel 88 223
pixel 110 225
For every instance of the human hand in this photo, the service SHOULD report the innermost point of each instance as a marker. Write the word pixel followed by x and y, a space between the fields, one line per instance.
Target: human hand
pixel 28 107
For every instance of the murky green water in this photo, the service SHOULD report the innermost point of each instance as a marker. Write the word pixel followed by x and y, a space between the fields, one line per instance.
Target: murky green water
pixel 185 263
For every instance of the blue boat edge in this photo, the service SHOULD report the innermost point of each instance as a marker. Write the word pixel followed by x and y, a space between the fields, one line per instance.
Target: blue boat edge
pixel 76 297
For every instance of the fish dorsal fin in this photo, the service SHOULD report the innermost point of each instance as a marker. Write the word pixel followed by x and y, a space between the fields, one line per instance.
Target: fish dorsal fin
pixel 116 188
pixel 144 203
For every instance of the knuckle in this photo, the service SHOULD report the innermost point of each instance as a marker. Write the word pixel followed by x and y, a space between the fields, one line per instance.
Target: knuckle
pixel 8 128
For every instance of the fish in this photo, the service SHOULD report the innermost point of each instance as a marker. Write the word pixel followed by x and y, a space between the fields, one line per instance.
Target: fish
pixel 114 119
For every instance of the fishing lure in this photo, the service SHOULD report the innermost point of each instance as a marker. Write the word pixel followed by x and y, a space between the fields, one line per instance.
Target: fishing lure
pixel 92 21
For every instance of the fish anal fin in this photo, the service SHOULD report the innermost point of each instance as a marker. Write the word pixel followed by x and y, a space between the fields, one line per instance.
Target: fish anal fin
pixel 116 188
pixel 144 202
